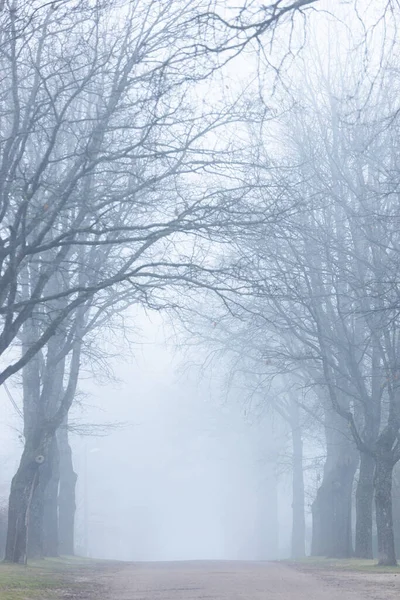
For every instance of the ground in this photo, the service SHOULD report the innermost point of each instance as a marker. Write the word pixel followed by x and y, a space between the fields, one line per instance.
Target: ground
pixel 89 580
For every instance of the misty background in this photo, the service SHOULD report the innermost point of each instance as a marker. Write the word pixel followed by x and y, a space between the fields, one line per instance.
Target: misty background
pixel 179 470
pixel 199 281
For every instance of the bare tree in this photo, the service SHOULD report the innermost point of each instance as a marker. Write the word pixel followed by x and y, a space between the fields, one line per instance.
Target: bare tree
pixel 90 102
pixel 241 344
pixel 99 138
pixel 330 278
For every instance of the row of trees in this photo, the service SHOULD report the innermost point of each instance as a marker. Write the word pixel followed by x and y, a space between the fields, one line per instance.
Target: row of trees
pixel 121 181
pixel 110 195
pixel 323 313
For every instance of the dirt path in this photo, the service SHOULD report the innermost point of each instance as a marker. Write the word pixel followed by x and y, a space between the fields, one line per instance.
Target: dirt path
pixel 241 581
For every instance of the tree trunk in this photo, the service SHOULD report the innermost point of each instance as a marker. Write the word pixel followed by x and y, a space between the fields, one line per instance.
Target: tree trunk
pixel 43 397
pixel 23 487
pixel 26 478
pixel 35 533
pixel 299 523
pixel 50 504
pixel 66 499
pixel 396 508
pixel 320 516
pixel 383 506
pixel 364 502
pixel 43 512
pixel 331 509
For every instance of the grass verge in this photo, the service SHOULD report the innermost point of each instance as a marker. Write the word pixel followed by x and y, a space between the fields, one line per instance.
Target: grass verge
pixel 345 564
pixel 47 579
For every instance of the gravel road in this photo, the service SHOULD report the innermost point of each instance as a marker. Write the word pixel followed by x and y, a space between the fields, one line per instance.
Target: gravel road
pixel 241 581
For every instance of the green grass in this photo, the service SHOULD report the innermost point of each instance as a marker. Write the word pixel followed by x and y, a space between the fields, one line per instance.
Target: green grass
pixel 40 580
pixel 346 564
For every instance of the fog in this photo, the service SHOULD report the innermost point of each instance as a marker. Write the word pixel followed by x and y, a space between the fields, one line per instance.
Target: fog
pixel 199 280
pixel 178 471
pixel 185 477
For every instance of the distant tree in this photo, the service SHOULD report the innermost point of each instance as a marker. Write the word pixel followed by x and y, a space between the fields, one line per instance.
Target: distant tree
pixel 243 349
pixel 328 279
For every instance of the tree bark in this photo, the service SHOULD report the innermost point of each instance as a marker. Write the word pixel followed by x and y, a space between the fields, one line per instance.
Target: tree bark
pixel 396 508
pixel 42 534
pixel 26 479
pixel 299 523
pixel 331 509
pixel 23 487
pixel 383 506
pixel 35 533
pixel 364 502
pixel 66 500
pixel 50 504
